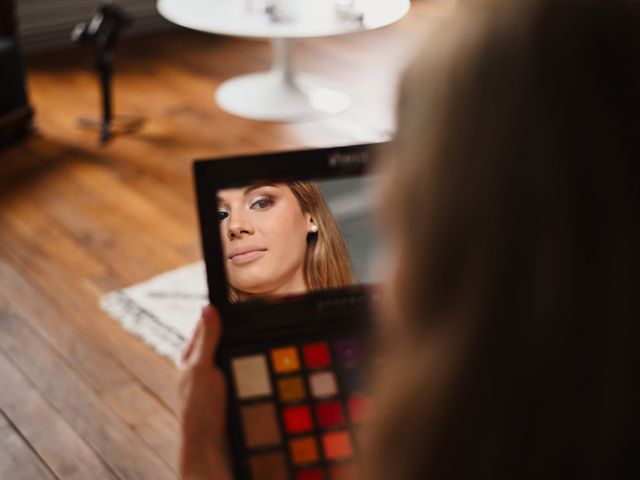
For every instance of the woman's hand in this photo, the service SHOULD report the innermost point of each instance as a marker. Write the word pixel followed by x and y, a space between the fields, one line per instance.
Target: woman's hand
pixel 202 398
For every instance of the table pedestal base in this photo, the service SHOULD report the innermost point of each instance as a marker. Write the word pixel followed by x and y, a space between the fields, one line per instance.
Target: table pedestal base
pixel 267 96
pixel 280 95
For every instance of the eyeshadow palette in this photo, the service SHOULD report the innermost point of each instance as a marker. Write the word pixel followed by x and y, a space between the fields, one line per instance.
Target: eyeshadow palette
pixel 294 361
pixel 297 408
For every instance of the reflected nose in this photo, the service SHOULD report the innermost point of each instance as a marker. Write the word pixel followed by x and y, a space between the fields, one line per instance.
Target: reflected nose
pixel 238 225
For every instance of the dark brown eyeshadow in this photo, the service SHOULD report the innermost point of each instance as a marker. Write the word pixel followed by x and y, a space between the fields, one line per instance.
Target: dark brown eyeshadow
pixel 260 425
pixel 291 389
pixel 268 466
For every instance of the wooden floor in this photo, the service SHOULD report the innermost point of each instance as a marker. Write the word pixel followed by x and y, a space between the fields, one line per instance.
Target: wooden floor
pixel 79 397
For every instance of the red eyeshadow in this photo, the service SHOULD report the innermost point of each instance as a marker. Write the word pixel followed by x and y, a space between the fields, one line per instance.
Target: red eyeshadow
pixel 297 419
pixel 337 445
pixel 316 355
pixel 358 407
pixel 329 414
pixel 315 474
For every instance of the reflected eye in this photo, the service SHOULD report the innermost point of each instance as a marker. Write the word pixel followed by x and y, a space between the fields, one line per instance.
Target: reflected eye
pixel 222 214
pixel 261 203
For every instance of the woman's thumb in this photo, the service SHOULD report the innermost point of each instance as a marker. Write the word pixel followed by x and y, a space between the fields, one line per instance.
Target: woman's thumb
pixel 211 333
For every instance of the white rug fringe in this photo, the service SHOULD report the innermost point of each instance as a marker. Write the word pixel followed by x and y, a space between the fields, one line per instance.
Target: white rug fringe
pixel 162 311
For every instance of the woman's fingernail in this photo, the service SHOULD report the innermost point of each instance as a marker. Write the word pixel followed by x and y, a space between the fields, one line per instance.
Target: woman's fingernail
pixel 207 314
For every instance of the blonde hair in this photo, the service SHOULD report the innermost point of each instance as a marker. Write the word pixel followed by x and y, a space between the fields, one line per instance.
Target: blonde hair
pixel 516 215
pixel 326 264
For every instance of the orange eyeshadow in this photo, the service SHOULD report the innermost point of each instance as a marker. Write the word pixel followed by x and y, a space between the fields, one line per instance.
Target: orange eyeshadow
pixel 337 445
pixel 303 450
pixel 285 360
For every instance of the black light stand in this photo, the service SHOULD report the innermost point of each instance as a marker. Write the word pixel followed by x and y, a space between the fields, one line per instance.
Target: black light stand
pixel 102 32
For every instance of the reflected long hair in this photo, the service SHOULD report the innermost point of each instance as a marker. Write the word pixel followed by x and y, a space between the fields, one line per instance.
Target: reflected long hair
pixel 326 264
pixel 515 187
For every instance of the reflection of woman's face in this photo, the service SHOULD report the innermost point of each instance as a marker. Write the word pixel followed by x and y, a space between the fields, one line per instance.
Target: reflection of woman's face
pixel 264 239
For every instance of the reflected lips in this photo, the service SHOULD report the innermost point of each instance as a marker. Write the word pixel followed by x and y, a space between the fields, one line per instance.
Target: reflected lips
pixel 246 254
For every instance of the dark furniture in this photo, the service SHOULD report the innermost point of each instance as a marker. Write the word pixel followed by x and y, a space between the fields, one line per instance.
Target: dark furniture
pixel 8 22
pixel 16 115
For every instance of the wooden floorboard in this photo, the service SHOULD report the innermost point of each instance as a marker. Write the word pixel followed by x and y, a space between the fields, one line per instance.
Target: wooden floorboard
pixel 49 434
pixel 148 417
pixel 102 429
pixel 18 461
pixel 80 397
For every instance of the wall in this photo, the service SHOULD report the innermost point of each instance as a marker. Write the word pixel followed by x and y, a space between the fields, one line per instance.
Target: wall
pixel 47 24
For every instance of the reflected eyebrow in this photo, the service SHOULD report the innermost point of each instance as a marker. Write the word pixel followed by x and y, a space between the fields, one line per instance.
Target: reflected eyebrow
pixel 248 190
pixel 251 188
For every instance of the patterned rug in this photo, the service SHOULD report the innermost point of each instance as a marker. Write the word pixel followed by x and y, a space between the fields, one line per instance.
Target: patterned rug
pixel 162 311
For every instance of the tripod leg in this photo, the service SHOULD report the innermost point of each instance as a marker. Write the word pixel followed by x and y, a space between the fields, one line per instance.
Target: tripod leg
pixel 105 70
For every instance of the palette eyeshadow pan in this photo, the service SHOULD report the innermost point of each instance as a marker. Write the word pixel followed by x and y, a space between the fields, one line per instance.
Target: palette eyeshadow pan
pixel 296 409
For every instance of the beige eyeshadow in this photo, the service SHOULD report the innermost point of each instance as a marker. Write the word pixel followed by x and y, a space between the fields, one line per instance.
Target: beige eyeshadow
pixel 260 425
pixel 268 466
pixel 251 376
pixel 323 384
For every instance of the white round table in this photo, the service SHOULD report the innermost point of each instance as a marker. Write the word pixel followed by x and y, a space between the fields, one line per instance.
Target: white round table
pixel 281 94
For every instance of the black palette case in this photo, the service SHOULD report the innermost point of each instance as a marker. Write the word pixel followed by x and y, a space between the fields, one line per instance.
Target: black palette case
pixel 297 396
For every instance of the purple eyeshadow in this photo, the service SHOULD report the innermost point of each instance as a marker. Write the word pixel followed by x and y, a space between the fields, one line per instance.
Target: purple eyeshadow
pixel 353 380
pixel 347 351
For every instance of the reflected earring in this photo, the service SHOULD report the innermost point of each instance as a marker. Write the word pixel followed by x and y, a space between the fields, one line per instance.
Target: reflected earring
pixel 314 229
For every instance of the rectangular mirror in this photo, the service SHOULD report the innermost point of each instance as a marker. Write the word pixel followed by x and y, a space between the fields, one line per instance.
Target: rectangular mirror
pixel 298 236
